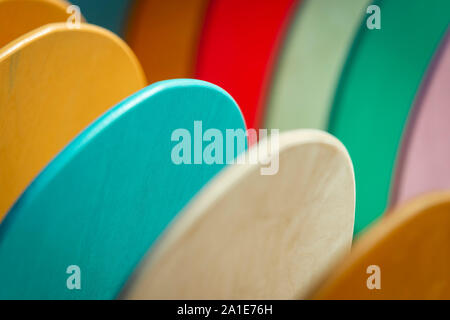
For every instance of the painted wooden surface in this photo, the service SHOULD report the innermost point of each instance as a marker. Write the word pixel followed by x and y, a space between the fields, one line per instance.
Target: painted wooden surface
pixel 253 236
pixel 110 14
pixel 376 90
pixel 238 47
pixel 54 82
pixel 312 58
pixel 423 164
pixel 18 17
pixel 165 36
pixel 412 248
pixel 104 200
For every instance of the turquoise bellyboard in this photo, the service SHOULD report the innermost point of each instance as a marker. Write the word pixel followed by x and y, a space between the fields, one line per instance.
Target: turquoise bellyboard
pixel 104 200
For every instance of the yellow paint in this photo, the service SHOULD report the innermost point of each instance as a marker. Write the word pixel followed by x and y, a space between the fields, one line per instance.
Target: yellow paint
pixel 412 249
pixel 18 17
pixel 54 81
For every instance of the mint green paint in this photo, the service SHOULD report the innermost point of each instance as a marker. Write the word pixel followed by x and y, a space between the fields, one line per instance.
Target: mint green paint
pixel 377 89
pixel 313 55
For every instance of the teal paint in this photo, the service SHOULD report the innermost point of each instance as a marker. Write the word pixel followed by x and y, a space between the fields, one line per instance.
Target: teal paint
pixel 104 200
pixel 109 14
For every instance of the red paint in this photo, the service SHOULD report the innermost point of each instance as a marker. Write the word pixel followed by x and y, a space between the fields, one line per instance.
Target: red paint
pixel 239 45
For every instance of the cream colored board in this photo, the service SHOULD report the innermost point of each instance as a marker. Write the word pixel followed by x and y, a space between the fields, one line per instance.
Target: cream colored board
pixel 253 236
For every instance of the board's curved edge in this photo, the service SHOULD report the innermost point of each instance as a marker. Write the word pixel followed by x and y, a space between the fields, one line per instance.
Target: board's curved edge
pixel 109 117
pixel 274 60
pixel 382 227
pixel 415 111
pixel 220 185
pixel 343 78
pixel 52 28
pixel 62 4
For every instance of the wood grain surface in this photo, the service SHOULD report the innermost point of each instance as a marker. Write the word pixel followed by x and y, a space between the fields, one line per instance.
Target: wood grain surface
pixel 411 247
pixel 253 236
pixel 108 195
pixel 54 82
pixel 18 17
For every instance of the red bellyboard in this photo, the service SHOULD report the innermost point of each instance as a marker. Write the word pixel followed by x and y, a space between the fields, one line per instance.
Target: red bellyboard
pixel 238 47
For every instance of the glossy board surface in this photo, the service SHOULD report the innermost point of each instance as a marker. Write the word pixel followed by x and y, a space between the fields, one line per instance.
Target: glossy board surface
pixel 254 236
pixel 104 200
pixel 405 256
pixel 54 82
pixel 18 17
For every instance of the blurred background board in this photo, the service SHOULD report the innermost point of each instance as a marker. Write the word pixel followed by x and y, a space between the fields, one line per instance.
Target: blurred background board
pixel 424 163
pixel 258 236
pixel 312 58
pixel 165 35
pixel 102 201
pixel 377 89
pixel 411 247
pixel 239 46
pixel 56 82
pixel 109 14
pixel 18 17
